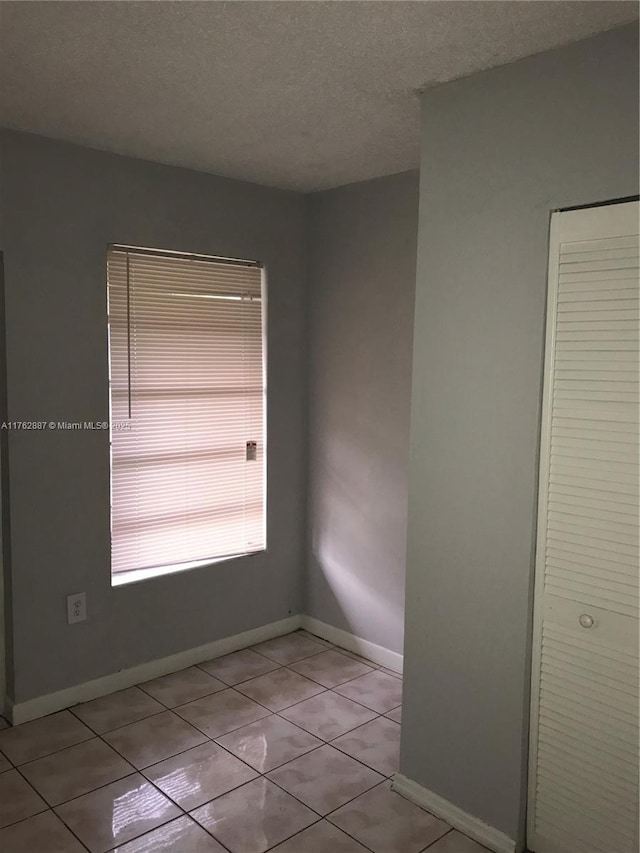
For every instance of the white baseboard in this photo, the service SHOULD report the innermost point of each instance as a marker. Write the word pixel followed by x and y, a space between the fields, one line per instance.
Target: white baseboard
pixel 22 712
pixel 372 651
pixel 454 815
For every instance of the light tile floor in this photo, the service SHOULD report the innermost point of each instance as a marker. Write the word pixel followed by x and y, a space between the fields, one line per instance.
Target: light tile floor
pixel 288 746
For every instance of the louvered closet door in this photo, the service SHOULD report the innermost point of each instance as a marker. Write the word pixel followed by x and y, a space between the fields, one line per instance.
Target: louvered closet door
pixel 583 772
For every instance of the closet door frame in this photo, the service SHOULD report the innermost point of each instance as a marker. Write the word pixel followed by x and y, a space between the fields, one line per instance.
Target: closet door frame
pixel 541 517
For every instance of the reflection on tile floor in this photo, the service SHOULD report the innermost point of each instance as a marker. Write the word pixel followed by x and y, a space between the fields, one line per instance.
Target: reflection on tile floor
pixel 286 747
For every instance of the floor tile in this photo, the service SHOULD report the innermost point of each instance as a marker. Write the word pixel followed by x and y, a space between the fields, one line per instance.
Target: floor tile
pixel 325 779
pixel 183 686
pixel 117 813
pixel 376 690
pixel 322 837
pixel 17 798
pixel 239 666
pixel 330 668
pixel 269 743
pixel 75 771
pixel 44 832
pixel 288 649
pixel 318 692
pixel 198 775
pixel 255 817
pixel 387 823
pixel 395 714
pixel 117 709
pixel 149 741
pixel 221 713
pixel 179 836
pixel 42 737
pixel 328 715
pixel 456 842
pixel 376 744
pixel 279 689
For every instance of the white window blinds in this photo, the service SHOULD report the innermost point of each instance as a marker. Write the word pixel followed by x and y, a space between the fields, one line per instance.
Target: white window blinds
pixel 187 387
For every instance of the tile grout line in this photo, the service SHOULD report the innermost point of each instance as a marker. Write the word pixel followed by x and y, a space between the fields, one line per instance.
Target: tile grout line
pixel 262 775
pixel 49 808
pixel 38 794
pixel 141 771
pixel 438 839
pixel 332 811
pixel 333 689
pixel 135 771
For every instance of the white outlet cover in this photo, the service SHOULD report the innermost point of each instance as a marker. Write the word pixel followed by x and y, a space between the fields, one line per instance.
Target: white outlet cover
pixel 76 607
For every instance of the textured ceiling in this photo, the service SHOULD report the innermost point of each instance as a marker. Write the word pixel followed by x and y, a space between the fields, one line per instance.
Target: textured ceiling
pixel 303 95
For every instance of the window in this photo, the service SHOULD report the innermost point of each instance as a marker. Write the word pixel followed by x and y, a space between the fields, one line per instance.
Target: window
pixel 187 389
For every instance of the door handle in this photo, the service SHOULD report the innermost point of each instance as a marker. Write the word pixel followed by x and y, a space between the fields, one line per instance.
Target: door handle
pixel 586 620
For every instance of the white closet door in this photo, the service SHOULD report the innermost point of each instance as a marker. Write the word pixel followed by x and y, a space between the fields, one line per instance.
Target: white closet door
pixel 583 771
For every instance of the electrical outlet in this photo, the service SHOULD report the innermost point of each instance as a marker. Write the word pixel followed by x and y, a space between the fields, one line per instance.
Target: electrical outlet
pixel 76 607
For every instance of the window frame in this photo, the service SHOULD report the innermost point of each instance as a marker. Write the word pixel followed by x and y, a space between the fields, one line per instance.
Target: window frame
pixel 124 578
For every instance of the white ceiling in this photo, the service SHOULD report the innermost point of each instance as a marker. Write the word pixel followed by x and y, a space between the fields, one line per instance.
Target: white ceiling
pixel 303 95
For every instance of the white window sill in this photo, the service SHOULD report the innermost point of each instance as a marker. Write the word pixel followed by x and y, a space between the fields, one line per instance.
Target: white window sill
pixel 125 578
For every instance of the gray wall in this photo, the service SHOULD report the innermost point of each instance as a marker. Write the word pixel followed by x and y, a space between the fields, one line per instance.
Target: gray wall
pixel 362 282
pixel 500 150
pixel 61 205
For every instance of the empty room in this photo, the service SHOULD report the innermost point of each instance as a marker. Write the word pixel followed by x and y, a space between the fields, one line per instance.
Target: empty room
pixel 319 426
